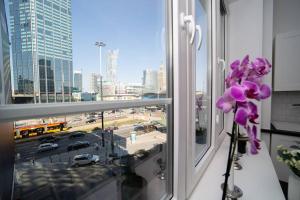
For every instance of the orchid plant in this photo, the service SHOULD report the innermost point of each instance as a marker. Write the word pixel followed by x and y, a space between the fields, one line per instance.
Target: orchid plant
pixel 244 87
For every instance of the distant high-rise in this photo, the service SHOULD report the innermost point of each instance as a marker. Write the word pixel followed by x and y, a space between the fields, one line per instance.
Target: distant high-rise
pixel 150 81
pixel 162 79
pixel 94 83
pixel 111 66
pixel 41 35
pixel 5 82
pixel 77 81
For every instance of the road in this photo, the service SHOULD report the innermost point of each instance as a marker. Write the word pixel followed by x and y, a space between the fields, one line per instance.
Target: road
pixel 28 151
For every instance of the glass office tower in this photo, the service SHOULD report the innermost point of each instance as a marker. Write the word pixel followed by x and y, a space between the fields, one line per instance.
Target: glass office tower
pixel 77 81
pixel 41 35
pixel 5 82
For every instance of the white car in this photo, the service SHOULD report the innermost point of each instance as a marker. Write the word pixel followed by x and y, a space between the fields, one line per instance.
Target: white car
pixel 47 147
pixel 84 159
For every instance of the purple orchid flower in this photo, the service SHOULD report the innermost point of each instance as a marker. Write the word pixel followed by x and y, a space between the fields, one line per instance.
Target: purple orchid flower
pixel 254 142
pixel 256 91
pixel 231 96
pixel 246 111
pixel 244 83
pixel 261 66
pixel 239 69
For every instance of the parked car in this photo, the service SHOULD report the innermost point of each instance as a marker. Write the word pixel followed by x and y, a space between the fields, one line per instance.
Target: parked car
pixel 77 134
pixel 85 159
pixel 78 145
pixel 112 128
pixel 90 121
pixel 47 147
pixel 48 139
pixel 139 128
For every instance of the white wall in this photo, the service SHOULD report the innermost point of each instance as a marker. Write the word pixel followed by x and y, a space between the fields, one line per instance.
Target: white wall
pixel 286 16
pixel 250 31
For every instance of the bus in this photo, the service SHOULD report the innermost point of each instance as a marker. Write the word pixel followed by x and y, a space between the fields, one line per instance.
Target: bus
pixel 31 130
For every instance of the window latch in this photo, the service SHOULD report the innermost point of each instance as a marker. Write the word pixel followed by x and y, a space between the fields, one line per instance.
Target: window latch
pixel 199 30
pixel 188 19
pixel 222 63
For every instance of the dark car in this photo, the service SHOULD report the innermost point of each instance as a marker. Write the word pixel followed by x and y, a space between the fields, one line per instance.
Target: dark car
pixel 78 145
pixel 90 121
pixel 139 128
pixel 77 134
pixel 48 139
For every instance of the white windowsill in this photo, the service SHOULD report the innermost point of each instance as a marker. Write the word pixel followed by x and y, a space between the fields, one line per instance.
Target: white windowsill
pixel 257 179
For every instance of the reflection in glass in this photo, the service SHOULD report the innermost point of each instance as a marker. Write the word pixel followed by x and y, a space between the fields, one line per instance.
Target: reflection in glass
pixel 220 86
pixel 202 93
pixel 71 157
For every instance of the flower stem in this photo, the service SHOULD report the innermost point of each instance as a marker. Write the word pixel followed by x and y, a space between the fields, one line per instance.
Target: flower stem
pixel 232 146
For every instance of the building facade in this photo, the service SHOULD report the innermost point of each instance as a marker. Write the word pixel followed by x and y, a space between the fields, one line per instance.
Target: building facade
pixel 5 70
pixel 77 81
pixel 41 35
pixel 150 83
pixel 111 66
pixel 162 79
pixel 94 83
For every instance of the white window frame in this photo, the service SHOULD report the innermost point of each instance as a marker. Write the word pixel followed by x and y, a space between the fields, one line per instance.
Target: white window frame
pixel 186 175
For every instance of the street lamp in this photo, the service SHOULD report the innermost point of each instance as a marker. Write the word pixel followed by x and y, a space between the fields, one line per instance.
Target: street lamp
pixel 100 45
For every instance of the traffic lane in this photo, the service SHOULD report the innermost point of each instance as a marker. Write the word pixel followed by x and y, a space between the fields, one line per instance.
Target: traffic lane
pixel 29 150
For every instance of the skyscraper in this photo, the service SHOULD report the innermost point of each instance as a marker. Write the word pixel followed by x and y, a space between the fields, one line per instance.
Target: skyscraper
pixel 5 82
pixel 150 81
pixel 162 79
pixel 77 81
pixel 41 35
pixel 111 66
pixel 94 83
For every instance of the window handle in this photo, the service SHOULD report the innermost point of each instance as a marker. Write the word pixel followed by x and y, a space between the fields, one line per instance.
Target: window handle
pixel 222 62
pixel 188 19
pixel 199 30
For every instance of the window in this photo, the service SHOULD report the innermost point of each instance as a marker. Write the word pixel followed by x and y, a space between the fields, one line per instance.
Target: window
pixel 221 63
pixel 202 83
pixel 127 133
pixel 117 132
pixel 197 73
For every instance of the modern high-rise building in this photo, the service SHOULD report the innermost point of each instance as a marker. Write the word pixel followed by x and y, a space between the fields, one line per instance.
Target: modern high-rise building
pixel 5 79
pixel 162 79
pixel 94 83
pixel 77 81
pixel 41 35
pixel 111 66
pixel 150 82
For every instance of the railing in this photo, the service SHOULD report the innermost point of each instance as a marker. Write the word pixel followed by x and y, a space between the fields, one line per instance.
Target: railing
pixel 29 111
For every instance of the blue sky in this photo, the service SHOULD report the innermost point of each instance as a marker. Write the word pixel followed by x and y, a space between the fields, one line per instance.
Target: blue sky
pixel 135 27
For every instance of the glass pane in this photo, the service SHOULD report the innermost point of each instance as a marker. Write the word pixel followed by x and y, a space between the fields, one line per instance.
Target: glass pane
pixel 203 85
pixel 77 51
pixel 220 86
pixel 78 157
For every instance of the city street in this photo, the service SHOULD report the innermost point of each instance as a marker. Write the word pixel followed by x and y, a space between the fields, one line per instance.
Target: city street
pixel 52 174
